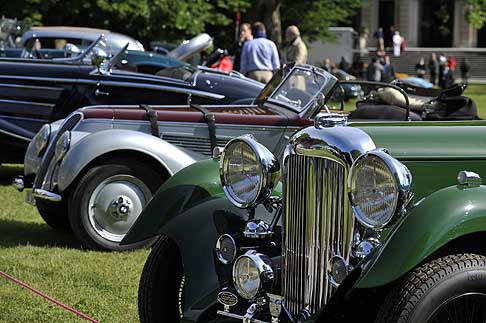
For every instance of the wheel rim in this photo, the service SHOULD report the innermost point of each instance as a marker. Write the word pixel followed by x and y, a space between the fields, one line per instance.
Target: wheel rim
pixel 466 308
pixel 115 204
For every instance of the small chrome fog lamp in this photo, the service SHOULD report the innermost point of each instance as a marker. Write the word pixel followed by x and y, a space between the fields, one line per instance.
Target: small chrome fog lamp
pixel 250 271
pixel 226 249
pixel 62 145
pixel 338 270
pixel 248 171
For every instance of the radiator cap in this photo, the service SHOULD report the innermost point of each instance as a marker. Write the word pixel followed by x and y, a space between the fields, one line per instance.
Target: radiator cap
pixel 330 119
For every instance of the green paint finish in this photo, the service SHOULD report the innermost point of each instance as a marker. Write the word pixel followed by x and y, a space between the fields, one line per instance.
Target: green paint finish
pixel 204 174
pixel 430 141
pixel 431 176
pixel 443 216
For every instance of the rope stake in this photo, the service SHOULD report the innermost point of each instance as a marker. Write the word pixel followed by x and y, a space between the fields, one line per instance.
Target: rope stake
pixel 47 297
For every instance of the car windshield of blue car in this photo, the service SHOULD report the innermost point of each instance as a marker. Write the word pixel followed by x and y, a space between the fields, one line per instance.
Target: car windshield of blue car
pixel 300 87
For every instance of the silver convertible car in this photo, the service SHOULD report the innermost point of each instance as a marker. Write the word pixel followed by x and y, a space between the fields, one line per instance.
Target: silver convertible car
pixel 96 170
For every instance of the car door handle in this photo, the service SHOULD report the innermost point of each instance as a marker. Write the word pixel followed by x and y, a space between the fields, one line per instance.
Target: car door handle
pixel 98 92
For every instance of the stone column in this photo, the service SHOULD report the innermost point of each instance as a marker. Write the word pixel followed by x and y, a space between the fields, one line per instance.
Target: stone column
pixel 407 20
pixel 464 35
pixel 369 19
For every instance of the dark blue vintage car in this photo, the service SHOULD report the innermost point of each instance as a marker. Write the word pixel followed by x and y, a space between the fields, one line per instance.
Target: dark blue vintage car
pixel 36 91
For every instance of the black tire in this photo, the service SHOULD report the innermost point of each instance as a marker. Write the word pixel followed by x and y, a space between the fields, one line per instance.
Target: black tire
pixel 55 215
pixel 160 292
pixel 98 228
pixel 453 286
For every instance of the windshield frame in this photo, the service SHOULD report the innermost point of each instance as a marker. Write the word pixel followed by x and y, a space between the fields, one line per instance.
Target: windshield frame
pixel 325 89
pixel 79 58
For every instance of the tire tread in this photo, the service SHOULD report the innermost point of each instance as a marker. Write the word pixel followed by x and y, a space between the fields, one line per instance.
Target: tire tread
pixel 400 303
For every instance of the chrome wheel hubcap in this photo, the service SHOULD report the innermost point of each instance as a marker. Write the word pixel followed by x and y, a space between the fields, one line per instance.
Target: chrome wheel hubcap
pixel 120 208
pixel 115 204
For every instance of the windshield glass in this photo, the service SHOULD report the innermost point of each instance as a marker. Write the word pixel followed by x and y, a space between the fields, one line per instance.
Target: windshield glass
pixel 302 85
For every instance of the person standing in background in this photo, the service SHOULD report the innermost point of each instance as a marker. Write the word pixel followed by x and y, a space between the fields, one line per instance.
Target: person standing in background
pixel 343 64
pixel 447 77
pixel 296 50
pixel 433 68
pixel 380 39
pixel 375 70
pixel 465 71
pixel 388 70
pixel 259 56
pixel 420 68
pixel 452 63
pixel 363 41
pixel 245 35
pixel 397 41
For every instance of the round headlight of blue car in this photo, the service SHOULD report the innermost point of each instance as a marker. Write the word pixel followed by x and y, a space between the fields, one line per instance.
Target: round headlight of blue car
pixel 248 171
pixel 379 185
pixel 62 145
pixel 41 139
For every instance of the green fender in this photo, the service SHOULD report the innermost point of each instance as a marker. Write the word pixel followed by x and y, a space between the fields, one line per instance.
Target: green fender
pixel 431 223
pixel 189 186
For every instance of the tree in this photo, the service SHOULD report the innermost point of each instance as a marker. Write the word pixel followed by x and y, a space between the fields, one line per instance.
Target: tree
pixel 314 17
pixel 476 12
pixel 171 21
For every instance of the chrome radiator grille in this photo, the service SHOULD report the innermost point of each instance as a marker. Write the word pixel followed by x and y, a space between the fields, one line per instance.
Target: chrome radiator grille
pixel 318 225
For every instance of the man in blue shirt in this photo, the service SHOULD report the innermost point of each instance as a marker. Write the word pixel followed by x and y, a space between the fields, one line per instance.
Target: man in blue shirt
pixel 259 57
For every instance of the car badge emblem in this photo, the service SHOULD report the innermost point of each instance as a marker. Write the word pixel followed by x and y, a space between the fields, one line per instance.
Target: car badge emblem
pixel 228 299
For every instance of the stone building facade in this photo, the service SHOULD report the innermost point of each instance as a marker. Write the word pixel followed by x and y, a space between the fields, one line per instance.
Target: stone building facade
pixel 418 21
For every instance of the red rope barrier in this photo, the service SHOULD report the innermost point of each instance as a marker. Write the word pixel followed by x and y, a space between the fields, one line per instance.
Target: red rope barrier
pixel 41 294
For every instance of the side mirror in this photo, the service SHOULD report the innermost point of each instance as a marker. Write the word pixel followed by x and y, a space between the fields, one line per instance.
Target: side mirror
pixel 98 57
pixel 71 50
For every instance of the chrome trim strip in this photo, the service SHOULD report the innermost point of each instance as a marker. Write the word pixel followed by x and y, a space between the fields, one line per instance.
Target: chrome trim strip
pixel 163 88
pixel 46 195
pixel 15 135
pixel 35 104
pixel 47 79
pixel 121 84
pixel 28 87
pixel 239 317
pixel 291 129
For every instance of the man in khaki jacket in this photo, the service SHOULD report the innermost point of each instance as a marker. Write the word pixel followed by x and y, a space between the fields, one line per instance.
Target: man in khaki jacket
pixel 295 51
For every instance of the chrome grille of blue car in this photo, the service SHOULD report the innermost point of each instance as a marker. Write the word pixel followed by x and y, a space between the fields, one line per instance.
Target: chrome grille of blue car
pixel 318 225
pixel 200 145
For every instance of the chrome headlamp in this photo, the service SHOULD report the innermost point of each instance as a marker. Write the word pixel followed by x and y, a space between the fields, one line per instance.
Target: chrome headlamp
pixel 62 145
pixel 250 271
pixel 248 171
pixel 41 140
pixel 378 186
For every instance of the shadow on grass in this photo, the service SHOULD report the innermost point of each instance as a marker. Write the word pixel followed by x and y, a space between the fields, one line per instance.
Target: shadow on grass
pixel 17 233
pixel 8 173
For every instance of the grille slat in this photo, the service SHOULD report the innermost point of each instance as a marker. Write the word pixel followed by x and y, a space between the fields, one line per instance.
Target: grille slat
pixel 200 145
pixel 318 226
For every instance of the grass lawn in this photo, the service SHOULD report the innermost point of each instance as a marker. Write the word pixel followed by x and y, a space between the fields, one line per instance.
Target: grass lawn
pixel 99 284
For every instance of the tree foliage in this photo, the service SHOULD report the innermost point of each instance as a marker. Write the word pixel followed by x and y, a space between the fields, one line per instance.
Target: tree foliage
pixel 172 20
pixel 175 20
pixel 476 12
pixel 313 17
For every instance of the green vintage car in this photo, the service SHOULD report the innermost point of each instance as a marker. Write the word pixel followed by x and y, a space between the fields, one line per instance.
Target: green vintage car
pixel 372 221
